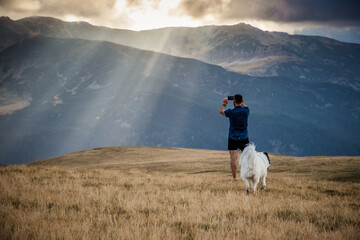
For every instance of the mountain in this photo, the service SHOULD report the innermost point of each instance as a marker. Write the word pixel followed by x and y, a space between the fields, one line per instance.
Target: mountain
pixel 63 95
pixel 240 48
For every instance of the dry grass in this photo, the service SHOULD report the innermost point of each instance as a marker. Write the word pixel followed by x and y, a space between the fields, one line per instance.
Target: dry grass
pixel 158 193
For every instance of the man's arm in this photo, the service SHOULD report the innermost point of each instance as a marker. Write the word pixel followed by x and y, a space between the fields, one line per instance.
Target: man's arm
pixel 223 106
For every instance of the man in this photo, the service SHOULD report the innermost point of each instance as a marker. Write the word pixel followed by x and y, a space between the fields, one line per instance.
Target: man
pixel 238 133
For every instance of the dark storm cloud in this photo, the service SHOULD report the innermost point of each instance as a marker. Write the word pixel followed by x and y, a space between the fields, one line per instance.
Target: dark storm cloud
pixel 342 12
pixel 200 8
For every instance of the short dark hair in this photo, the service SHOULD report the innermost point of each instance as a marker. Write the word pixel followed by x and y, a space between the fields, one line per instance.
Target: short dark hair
pixel 238 98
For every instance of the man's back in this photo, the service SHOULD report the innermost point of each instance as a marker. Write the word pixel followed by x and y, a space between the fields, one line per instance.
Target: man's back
pixel 238 117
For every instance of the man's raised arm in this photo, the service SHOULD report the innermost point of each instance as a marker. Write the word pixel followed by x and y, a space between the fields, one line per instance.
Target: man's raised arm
pixel 223 106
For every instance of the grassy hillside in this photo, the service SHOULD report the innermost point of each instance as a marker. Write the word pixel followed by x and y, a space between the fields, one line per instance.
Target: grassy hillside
pixel 163 193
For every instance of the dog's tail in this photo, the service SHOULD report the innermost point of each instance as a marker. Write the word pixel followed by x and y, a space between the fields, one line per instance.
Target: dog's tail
pixel 249 155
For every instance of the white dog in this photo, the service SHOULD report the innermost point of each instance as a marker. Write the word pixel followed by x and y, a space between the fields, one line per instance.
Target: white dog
pixel 254 166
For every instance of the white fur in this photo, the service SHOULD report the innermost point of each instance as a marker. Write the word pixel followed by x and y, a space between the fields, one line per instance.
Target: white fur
pixel 254 167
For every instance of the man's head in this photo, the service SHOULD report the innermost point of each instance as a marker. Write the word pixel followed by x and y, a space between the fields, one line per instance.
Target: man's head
pixel 238 99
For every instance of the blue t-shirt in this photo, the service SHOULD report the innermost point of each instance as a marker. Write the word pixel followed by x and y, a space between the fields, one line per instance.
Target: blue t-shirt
pixel 238 117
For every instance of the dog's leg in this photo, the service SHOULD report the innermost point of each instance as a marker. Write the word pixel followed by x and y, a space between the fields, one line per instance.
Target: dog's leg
pixel 247 185
pixel 255 183
pixel 263 183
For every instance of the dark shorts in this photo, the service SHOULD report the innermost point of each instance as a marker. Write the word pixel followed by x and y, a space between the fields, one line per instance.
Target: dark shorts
pixel 237 144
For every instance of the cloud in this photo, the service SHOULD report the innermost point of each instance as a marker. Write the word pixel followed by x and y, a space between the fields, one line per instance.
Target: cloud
pixel 96 12
pixel 111 13
pixel 80 8
pixel 20 5
pixel 200 8
pixel 274 15
pixel 288 11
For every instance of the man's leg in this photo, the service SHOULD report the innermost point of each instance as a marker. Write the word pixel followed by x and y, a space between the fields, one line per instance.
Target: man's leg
pixel 233 162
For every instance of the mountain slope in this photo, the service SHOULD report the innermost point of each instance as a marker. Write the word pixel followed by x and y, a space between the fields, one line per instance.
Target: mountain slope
pixel 64 95
pixel 241 48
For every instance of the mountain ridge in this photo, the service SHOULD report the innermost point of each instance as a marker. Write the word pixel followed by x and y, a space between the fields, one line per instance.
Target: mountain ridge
pixel 60 95
pixel 240 48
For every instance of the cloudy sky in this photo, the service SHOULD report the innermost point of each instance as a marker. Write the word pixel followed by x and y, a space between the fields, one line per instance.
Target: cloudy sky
pixel 338 19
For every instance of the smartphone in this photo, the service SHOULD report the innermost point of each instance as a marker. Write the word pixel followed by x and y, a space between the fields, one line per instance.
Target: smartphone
pixel 230 97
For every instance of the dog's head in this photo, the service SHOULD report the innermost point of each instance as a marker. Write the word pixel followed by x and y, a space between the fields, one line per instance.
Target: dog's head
pixel 267 155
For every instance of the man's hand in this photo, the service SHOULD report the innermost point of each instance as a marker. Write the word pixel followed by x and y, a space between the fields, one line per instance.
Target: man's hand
pixel 226 100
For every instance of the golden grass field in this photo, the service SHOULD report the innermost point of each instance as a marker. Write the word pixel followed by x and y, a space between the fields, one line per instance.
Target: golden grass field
pixel 163 193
